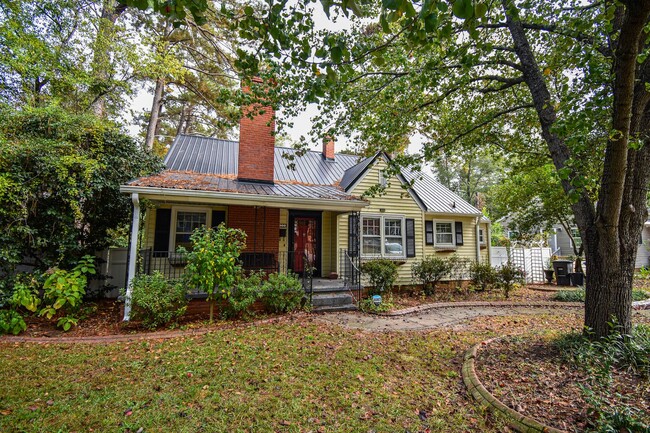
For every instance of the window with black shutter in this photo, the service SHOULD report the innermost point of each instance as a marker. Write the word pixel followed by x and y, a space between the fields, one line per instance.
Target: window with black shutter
pixel 353 235
pixel 410 237
pixel 428 232
pixel 161 232
pixel 459 233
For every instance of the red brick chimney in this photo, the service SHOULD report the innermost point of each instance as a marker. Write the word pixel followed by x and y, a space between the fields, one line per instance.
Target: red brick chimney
pixel 328 148
pixel 256 142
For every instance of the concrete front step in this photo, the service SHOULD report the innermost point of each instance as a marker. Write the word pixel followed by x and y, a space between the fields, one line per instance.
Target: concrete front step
pixel 332 301
pixel 350 307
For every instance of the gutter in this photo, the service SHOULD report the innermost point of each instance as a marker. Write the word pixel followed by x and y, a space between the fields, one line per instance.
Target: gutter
pixel 250 199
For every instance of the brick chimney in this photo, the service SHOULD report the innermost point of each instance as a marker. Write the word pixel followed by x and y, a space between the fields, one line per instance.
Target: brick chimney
pixel 256 142
pixel 328 148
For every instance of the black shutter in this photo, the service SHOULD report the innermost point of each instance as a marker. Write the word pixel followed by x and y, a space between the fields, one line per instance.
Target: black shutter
pixel 353 235
pixel 218 217
pixel 161 232
pixel 428 232
pixel 410 237
pixel 459 233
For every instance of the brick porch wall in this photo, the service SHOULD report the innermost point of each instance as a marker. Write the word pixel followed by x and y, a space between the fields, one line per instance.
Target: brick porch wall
pixel 263 235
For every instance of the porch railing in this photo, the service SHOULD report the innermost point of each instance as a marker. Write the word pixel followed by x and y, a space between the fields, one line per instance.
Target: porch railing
pixel 172 264
pixel 350 272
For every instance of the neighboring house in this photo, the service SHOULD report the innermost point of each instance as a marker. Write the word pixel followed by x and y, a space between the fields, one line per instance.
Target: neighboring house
pixel 562 244
pixel 313 212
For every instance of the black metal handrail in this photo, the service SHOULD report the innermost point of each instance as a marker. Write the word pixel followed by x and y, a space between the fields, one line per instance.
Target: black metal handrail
pixel 308 276
pixel 350 272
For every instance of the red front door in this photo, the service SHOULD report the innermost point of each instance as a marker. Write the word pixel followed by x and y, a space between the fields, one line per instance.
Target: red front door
pixel 305 232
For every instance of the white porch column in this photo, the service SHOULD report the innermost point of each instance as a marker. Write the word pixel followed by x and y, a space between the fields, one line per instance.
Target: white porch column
pixel 133 254
pixel 478 239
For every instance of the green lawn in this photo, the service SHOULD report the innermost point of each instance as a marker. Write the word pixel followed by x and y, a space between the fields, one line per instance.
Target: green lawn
pixel 294 377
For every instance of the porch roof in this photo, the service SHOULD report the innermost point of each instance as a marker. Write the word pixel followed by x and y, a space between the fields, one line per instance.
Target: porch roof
pixel 226 188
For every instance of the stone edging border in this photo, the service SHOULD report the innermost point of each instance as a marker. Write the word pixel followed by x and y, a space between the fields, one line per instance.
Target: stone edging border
pixel 427 307
pixel 518 421
pixel 127 338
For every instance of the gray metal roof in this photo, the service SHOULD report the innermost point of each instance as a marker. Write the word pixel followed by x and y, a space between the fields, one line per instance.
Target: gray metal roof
pixel 215 156
pixel 436 197
pixel 197 162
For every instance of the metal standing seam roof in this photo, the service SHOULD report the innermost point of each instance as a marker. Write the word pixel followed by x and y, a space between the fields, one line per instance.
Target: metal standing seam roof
pixel 197 162
pixel 208 155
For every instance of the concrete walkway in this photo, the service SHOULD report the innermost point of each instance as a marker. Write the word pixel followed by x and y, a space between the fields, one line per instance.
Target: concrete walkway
pixel 440 317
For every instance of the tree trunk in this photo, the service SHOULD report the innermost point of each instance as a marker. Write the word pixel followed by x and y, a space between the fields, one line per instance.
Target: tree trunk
pixel 610 230
pixel 156 106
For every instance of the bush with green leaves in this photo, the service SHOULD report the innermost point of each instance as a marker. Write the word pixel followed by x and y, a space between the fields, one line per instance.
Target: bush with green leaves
pixel 247 290
pixel 643 273
pixel 63 292
pixel 507 276
pixel 156 301
pixel 11 322
pixel 213 264
pixel 482 276
pixel 19 292
pixel 381 274
pixel 368 306
pixel 599 359
pixel 430 271
pixel 577 295
pixel 282 293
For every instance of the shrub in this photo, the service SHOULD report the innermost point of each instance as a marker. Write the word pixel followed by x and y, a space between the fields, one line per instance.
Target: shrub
pixel 381 274
pixel 640 295
pixel 282 293
pixel 213 265
pixel 368 306
pixel 11 322
pixel 244 294
pixel 483 276
pixel 458 270
pixel 155 301
pixel 577 295
pixel 429 271
pixel 644 273
pixel 507 276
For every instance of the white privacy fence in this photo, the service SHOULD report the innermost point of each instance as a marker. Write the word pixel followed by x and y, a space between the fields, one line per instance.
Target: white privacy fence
pixel 529 260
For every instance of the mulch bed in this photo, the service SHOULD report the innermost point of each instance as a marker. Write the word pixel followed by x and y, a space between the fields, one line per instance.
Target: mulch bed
pixel 405 299
pixel 531 377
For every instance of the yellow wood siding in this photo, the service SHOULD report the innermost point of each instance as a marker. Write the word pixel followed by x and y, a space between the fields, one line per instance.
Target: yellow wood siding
pixel 395 201
pixel 326 245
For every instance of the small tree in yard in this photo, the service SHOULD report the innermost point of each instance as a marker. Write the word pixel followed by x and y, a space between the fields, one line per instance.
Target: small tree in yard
pixel 381 274
pixel 213 265
pixel 507 276
pixel 430 271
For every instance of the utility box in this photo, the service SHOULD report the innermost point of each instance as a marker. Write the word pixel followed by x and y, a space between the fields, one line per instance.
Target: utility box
pixel 563 269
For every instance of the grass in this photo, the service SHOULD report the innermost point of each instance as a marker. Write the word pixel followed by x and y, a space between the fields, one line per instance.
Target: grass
pixel 578 295
pixel 290 377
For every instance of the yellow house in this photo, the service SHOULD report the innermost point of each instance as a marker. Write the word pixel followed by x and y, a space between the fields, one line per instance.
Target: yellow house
pixel 300 212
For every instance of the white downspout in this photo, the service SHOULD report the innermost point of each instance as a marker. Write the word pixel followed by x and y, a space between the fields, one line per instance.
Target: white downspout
pixel 478 239
pixel 133 254
pixel 488 240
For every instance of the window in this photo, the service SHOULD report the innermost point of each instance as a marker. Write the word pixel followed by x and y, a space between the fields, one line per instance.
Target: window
pixel 444 233
pixel 382 236
pixel 186 222
pixel 481 236
pixel 428 232
pixel 382 179
pixel 575 233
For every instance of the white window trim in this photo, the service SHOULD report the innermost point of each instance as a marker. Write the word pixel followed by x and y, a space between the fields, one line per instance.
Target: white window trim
pixel 176 209
pixel 435 233
pixel 481 235
pixel 382 236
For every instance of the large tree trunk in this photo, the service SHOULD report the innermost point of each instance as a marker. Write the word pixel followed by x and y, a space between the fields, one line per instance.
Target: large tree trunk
pixel 154 116
pixel 611 229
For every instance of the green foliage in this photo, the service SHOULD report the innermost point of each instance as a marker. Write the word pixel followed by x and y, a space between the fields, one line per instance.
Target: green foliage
pixel 507 276
pixel 212 265
pixel 63 291
pixel 157 301
pixel 11 322
pixel 483 276
pixel 577 295
pixel 599 359
pixel 244 294
pixel 60 176
pixel 368 306
pixel 282 293
pixel 644 273
pixel 429 271
pixel 381 274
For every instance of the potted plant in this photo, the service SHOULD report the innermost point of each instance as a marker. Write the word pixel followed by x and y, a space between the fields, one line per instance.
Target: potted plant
pixel 578 277
pixel 548 271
